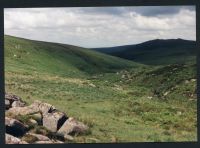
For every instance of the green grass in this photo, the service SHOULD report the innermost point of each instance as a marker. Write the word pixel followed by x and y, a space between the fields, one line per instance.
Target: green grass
pixel 121 101
pixel 32 56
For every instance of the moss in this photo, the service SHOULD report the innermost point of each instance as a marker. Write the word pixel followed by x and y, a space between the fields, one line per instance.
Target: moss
pixel 41 130
pixel 29 138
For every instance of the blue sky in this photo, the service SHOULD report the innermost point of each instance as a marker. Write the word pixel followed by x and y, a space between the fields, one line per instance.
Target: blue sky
pixel 101 26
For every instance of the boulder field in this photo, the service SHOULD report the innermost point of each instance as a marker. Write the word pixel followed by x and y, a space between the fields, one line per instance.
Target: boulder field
pixel 38 123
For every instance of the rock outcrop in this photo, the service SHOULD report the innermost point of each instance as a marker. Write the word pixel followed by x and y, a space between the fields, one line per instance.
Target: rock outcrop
pixel 27 110
pixel 38 115
pixel 13 101
pixel 72 126
pixel 14 127
pixel 42 107
pixel 36 107
pixel 53 121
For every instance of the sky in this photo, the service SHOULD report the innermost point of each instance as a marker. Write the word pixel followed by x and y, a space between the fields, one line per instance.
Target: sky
pixel 93 27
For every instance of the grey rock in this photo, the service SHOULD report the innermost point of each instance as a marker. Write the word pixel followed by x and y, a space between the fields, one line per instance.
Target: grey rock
pixel 42 107
pixel 46 108
pixel 68 137
pixel 123 76
pixel 53 121
pixel 18 104
pixel 27 110
pixel 12 97
pixel 73 126
pixel 43 142
pixel 35 107
pixel 14 140
pixel 7 104
pixel 14 127
pixel 33 122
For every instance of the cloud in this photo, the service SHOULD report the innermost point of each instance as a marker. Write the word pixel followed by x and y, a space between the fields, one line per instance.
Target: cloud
pixel 161 10
pixel 143 10
pixel 101 26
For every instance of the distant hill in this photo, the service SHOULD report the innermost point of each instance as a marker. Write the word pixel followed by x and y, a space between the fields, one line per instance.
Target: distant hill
pixel 155 52
pixel 58 58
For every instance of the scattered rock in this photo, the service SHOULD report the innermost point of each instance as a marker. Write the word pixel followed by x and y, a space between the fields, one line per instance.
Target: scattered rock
pixel 179 113
pixel 27 110
pixel 33 122
pixel 72 126
pixel 48 142
pixel 92 85
pixel 166 93
pixel 45 107
pixel 7 104
pixel 123 76
pixel 12 98
pixel 43 142
pixel 53 121
pixel 17 46
pixel 18 104
pixel 13 140
pixel 68 137
pixel 117 87
pixel 193 80
pixel 39 113
pixel 14 127
pixel 42 107
pixel 34 108
pixel 149 97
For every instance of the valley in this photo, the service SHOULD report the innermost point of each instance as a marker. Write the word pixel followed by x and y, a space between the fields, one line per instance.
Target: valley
pixel 149 98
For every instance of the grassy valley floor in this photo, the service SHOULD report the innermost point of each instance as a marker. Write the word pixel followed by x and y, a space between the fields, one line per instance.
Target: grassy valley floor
pixel 134 104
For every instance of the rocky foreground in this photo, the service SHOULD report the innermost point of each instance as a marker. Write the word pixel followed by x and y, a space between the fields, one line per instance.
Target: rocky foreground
pixel 38 123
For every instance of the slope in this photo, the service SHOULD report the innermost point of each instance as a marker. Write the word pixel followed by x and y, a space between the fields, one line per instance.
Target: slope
pixel 57 58
pixel 156 52
pixel 119 100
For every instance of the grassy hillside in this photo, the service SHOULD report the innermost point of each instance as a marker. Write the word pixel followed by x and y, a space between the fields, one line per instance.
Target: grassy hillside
pixel 121 101
pixel 58 58
pixel 155 52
